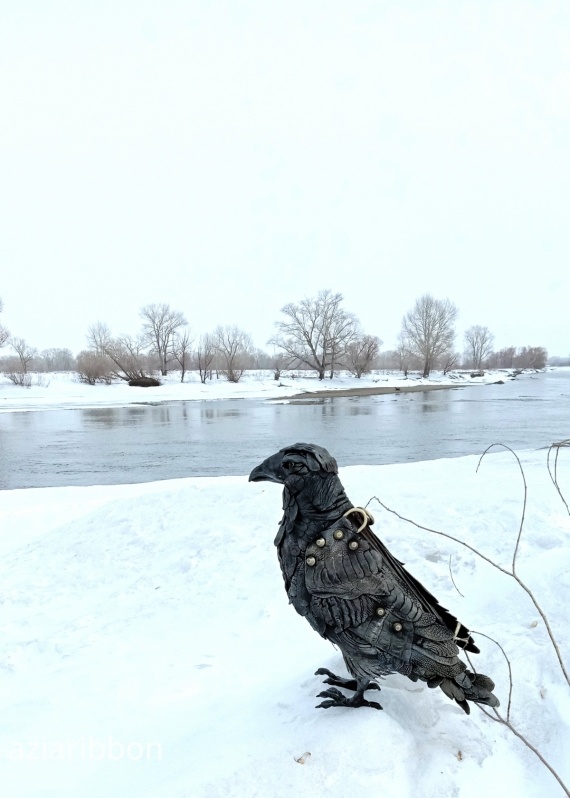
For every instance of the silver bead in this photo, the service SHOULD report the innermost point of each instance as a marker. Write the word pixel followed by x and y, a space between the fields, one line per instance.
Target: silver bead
pixel 380 611
pixel 353 544
pixel 338 534
pixel 311 561
pixel 397 627
pixel 320 542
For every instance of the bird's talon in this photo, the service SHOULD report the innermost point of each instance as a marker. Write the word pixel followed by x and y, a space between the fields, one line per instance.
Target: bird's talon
pixel 337 681
pixel 324 672
pixel 332 693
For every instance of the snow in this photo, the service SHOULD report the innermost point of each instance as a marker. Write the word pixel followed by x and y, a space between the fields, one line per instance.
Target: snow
pixel 63 390
pixel 148 648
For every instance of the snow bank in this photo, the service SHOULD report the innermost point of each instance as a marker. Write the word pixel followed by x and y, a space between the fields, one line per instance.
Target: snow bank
pixel 63 390
pixel 148 648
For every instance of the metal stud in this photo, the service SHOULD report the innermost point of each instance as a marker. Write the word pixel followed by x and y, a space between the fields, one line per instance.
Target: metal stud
pixel 353 544
pixel 320 542
pixel 338 534
pixel 380 611
pixel 397 627
pixel 311 561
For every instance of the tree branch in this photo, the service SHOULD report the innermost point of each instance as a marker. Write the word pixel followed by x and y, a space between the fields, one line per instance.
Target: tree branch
pixel 554 473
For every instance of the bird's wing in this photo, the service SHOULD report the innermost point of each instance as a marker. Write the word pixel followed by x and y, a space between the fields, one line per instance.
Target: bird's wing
pixel 353 580
pixel 426 600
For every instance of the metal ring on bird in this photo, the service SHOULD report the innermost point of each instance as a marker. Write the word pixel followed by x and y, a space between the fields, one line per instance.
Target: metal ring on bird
pixel 367 518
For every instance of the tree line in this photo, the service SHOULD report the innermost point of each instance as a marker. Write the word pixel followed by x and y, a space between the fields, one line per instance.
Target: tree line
pixel 317 333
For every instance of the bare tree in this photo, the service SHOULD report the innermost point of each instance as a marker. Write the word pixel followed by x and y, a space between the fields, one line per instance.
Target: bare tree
pixel 343 329
pixel 503 358
pixel 58 360
pixel 428 329
pixel 181 349
pixel 4 333
pixel 361 354
pixel 126 355
pixel 406 359
pixel 260 359
pixel 99 337
pixel 278 363
pixel 24 351
pixel 93 367
pixel 525 357
pixel 234 347
pixel 160 324
pixel 205 354
pixel 531 357
pixel 316 332
pixel 478 345
pixel 449 361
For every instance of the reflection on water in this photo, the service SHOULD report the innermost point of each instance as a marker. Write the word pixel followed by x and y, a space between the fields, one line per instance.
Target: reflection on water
pixel 211 413
pixel 107 416
pixel 359 409
pixel 428 408
pixel 160 441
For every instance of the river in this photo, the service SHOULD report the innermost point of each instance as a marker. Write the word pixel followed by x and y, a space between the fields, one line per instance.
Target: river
pixel 141 443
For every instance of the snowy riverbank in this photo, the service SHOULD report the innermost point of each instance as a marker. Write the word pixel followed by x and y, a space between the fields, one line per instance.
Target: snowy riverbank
pixel 63 390
pixel 148 649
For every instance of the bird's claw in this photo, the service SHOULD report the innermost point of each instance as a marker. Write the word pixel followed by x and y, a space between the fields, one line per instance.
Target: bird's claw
pixel 337 699
pixel 339 681
pixel 332 692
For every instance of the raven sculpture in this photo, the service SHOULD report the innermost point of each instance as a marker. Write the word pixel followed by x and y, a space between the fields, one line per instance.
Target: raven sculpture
pixel 356 594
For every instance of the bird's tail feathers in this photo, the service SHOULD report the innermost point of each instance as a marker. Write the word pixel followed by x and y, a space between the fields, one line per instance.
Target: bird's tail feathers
pixel 467 686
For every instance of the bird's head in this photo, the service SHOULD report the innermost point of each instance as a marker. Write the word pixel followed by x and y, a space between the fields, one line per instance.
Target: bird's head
pixel 291 465
pixel 307 471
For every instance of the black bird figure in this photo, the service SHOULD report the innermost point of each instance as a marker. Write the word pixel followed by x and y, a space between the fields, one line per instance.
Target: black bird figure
pixel 356 594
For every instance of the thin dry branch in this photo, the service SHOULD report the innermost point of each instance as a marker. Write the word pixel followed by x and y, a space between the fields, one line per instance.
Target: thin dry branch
pixel 515 455
pixel 500 719
pixel 496 642
pixel 497 717
pixel 452 579
pixel 553 473
pixel 512 572
pixel 438 532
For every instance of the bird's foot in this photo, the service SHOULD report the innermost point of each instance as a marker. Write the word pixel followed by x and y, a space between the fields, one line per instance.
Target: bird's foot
pixel 339 681
pixel 334 698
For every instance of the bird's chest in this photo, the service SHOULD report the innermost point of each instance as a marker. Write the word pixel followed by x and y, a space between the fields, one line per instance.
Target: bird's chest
pixel 291 553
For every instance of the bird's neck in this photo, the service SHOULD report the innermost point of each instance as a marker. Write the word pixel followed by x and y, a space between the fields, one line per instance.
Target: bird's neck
pixel 312 520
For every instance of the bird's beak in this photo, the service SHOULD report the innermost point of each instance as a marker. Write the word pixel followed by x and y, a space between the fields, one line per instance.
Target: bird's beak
pixel 269 471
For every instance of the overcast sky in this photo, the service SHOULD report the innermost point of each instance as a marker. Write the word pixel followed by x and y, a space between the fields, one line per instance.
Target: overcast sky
pixel 229 157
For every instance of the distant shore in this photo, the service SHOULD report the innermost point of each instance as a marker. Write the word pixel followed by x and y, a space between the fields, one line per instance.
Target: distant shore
pixel 376 391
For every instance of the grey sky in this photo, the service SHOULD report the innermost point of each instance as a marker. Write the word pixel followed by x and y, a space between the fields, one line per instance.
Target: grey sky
pixel 229 157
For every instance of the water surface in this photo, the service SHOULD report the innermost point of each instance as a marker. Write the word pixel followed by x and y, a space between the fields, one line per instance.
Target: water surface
pixel 148 442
